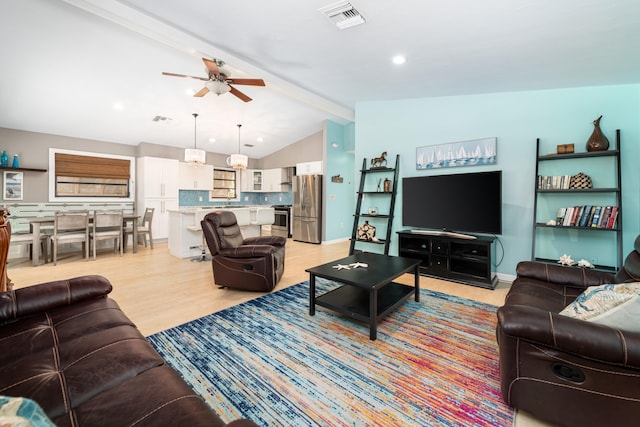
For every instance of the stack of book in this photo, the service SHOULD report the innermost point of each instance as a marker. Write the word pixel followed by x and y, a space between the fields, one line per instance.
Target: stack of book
pixel 588 216
pixel 558 182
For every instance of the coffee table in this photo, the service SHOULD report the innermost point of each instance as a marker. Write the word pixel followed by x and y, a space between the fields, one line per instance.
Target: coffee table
pixel 368 294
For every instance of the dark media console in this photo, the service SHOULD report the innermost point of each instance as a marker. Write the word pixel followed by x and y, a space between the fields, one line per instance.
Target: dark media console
pixel 446 256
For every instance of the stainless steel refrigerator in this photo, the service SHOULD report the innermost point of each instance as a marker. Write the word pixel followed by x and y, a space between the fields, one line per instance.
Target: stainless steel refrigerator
pixel 307 208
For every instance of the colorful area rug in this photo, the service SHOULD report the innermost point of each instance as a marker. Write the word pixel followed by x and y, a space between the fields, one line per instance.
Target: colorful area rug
pixel 435 363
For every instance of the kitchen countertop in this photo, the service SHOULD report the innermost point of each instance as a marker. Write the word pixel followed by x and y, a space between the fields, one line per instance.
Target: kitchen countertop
pixel 193 209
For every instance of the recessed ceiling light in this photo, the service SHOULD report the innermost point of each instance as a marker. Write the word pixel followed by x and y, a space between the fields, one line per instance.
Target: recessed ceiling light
pixel 260 139
pixel 212 140
pixel 118 106
pixel 399 59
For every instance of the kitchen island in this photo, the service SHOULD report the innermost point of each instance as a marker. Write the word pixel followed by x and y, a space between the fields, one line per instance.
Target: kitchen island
pixel 185 234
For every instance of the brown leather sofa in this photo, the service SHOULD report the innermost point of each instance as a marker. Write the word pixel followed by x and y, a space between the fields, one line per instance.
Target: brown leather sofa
pixel 567 371
pixel 70 348
pixel 252 264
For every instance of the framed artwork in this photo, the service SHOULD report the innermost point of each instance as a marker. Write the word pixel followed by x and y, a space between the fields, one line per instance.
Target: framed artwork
pixel 13 185
pixel 465 153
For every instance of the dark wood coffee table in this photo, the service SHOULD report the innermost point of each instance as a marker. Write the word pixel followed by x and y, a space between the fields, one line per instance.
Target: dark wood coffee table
pixel 368 294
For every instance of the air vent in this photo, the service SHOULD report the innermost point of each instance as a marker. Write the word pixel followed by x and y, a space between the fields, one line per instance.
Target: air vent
pixel 248 145
pixel 160 119
pixel 343 14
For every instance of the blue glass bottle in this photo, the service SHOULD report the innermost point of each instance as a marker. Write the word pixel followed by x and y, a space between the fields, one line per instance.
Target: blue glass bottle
pixel 4 159
pixel 16 163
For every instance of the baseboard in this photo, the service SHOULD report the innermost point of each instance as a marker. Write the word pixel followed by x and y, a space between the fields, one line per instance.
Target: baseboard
pixel 331 242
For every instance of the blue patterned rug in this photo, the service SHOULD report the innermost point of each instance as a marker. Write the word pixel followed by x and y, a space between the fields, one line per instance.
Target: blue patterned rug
pixel 435 363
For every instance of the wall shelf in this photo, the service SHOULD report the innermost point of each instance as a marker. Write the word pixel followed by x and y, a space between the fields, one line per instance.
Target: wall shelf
pixel 22 169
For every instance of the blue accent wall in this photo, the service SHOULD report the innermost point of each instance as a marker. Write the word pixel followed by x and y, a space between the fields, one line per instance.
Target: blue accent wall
pixel 516 119
pixel 339 197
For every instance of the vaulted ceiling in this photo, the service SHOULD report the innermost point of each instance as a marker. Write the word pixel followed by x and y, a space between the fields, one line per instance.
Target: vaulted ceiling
pixel 67 64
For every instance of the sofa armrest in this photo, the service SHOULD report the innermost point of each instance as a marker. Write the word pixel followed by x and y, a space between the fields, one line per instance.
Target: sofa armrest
pixel 562 275
pixel 241 423
pixel 248 251
pixel 265 240
pixel 50 295
pixel 579 337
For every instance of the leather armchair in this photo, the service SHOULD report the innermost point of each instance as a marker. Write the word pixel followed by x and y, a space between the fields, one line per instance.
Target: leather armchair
pixel 252 264
pixel 567 371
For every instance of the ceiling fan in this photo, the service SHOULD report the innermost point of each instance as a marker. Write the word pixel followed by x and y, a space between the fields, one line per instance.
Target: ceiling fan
pixel 219 81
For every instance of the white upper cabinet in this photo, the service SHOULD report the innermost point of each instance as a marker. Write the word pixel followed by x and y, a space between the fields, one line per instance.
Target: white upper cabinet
pixel 191 177
pixel 272 180
pixel 157 177
pixel 252 180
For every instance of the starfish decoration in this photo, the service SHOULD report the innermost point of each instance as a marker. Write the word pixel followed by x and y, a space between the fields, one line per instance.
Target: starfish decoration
pixel 358 264
pixel 342 267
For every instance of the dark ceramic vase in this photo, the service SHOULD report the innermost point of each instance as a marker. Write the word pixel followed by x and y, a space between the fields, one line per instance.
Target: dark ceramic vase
pixel 597 141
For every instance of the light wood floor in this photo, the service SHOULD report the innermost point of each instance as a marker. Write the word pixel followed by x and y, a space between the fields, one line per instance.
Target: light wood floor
pixel 158 291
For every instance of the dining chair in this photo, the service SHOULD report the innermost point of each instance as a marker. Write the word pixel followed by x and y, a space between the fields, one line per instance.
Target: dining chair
pixel 27 239
pixel 107 225
pixel 70 227
pixel 144 229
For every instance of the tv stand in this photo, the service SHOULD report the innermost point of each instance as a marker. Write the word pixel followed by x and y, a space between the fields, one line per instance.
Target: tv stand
pixel 444 233
pixel 448 256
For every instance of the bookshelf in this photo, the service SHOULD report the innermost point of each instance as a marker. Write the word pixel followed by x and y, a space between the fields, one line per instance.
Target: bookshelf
pixel 588 221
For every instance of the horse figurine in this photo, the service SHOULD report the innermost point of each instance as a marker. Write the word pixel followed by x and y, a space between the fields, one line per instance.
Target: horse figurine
pixel 379 161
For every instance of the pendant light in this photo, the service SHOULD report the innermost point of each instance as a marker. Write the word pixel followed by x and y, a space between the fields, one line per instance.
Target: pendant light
pixel 193 156
pixel 238 161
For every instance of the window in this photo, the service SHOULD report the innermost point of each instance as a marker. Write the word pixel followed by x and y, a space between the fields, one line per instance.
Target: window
pixel 224 184
pixel 88 176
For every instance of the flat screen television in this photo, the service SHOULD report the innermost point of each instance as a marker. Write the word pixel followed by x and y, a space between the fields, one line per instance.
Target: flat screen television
pixel 465 202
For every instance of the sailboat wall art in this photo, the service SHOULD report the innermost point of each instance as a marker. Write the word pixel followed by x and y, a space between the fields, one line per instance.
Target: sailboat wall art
pixel 465 153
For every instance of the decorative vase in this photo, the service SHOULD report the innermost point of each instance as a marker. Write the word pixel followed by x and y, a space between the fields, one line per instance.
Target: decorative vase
pixel 387 185
pixel 597 141
pixel 16 162
pixel 4 159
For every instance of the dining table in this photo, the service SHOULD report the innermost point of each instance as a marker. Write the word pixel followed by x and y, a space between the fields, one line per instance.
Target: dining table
pixel 38 222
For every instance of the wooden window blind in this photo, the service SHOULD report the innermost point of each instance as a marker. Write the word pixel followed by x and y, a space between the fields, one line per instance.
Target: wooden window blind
pixel 91 167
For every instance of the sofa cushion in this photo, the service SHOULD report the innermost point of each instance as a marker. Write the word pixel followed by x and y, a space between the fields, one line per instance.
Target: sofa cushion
pixel 614 305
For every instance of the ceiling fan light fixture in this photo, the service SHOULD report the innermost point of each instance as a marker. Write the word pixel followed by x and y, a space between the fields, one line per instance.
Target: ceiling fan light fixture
pixel 195 156
pixel 218 87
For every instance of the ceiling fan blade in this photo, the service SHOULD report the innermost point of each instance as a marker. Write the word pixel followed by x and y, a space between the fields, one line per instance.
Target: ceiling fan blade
pixel 201 92
pixel 239 94
pixel 250 82
pixel 211 66
pixel 183 75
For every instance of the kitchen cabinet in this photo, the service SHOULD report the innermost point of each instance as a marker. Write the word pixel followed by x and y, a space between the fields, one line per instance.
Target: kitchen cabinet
pixel 251 180
pixel 195 177
pixel 266 180
pixel 272 180
pixel 157 188
pixel 157 178
pixel 160 223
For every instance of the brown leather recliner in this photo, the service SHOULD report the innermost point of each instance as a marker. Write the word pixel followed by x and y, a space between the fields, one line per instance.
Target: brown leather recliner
pixel 252 264
pixel 563 370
